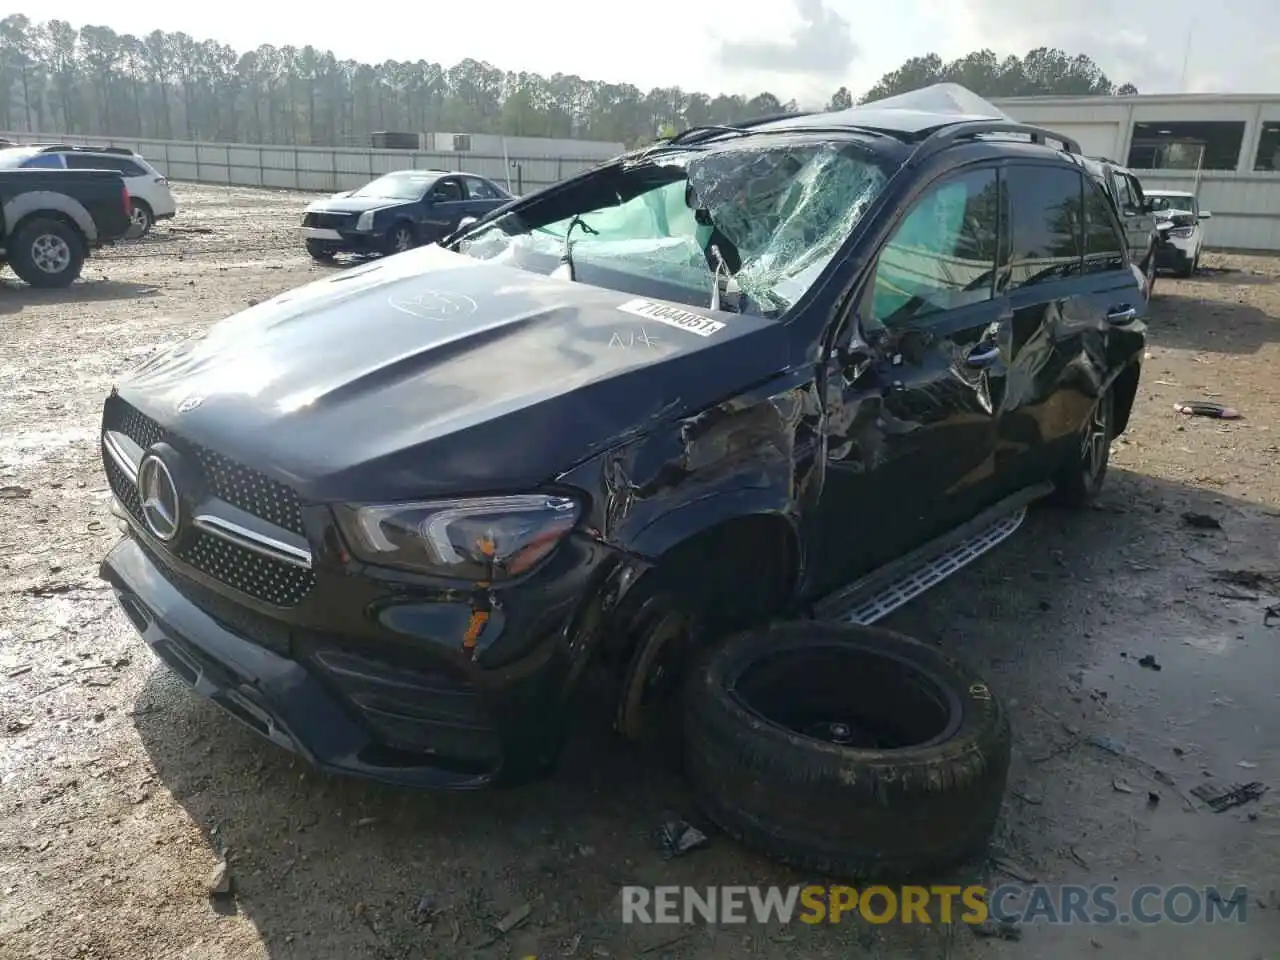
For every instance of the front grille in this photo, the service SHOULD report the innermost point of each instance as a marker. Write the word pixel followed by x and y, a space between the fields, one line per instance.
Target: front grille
pixel 264 631
pixel 265 578
pixel 328 221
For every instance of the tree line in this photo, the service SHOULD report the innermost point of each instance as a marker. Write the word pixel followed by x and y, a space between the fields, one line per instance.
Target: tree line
pixel 92 80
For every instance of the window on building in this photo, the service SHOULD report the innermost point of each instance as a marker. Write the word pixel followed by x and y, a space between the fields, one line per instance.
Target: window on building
pixel 1268 157
pixel 1206 145
pixel 1047 224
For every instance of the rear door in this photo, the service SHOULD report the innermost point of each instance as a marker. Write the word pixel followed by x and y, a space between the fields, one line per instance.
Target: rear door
pixel 1069 286
pixel 911 412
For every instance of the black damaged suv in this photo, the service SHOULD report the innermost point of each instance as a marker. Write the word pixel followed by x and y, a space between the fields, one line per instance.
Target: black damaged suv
pixel 391 518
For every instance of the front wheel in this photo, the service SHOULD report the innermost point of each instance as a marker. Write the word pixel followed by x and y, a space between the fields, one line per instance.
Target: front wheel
pixel 320 251
pixel 47 253
pixel 1082 478
pixel 399 238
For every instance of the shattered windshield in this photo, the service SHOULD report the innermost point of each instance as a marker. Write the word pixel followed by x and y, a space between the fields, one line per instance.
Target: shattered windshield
pixel 762 219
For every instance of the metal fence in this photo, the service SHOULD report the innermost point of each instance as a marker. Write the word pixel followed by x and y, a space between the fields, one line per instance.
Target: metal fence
pixel 319 169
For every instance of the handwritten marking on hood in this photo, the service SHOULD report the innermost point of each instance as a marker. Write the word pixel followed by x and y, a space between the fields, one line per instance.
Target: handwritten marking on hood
pixel 625 341
pixel 686 320
pixel 434 305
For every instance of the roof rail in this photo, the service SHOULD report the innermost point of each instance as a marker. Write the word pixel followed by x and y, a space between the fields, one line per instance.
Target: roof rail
pixel 82 148
pixel 943 137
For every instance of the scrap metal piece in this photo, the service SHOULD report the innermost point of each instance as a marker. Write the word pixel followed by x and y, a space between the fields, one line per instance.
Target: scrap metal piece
pixel 1224 798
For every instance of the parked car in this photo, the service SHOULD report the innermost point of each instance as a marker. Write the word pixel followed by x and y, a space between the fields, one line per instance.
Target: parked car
pixel 397 211
pixel 50 220
pixel 1135 212
pixel 811 363
pixel 152 199
pixel 1184 239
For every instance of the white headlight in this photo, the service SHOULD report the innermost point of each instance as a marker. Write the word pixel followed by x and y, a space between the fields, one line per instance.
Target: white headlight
pixel 366 221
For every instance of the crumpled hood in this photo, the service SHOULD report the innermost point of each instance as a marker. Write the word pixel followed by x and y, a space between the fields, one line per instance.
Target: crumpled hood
pixel 353 204
pixel 431 372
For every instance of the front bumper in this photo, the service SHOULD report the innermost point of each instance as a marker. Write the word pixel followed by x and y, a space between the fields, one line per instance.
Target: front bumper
pixel 1172 257
pixel 339 704
pixel 349 241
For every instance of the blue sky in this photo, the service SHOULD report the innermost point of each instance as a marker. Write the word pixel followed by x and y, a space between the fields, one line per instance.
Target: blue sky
pixel 794 48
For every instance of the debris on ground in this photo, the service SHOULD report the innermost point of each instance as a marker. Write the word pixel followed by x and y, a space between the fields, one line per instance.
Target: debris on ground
pixel 678 837
pixel 1206 408
pixel 1000 930
pixel 220 882
pixel 1013 869
pixel 14 492
pixel 1150 662
pixel 1153 798
pixel 1225 798
pixel 1121 785
pixel 1249 579
pixel 1247 764
pixel 513 919
pixel 1201 521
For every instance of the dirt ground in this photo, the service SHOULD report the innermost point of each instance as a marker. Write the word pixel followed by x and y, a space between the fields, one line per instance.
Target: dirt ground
pixel 119 790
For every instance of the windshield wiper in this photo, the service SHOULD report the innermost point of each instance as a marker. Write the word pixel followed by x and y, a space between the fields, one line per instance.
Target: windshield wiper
pixel 565 271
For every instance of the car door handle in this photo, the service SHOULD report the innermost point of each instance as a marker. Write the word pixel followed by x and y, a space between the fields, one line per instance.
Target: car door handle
pixel 1122 315
pixel 982 354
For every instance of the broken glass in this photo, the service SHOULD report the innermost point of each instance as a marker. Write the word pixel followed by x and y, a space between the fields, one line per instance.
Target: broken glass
pixel 775 214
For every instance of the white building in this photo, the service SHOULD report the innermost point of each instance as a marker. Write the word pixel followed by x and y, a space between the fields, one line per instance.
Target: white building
pixel 1225 147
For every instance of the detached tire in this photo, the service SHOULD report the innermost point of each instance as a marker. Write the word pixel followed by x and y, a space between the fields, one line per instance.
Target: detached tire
pixel 47 253
pixel 851 751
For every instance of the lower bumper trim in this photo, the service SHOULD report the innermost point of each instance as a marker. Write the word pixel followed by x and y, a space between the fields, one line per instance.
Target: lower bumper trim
pixel 270 693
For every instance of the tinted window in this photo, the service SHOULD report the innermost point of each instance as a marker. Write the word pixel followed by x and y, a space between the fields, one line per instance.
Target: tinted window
pixel 1046 224
pixel 480 190
pixel 44 160
pixel 98 161
pixel 1104 247
pixel 447 190
pixel 89 161
pixel 943 253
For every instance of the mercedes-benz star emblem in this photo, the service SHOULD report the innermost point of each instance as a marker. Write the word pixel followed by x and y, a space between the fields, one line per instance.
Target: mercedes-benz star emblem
pixel 159 494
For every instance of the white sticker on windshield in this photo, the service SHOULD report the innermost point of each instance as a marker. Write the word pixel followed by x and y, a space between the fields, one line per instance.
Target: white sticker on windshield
pixel 694 323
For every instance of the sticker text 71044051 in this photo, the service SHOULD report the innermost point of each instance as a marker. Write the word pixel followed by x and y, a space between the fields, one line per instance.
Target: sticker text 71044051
pixel 686 320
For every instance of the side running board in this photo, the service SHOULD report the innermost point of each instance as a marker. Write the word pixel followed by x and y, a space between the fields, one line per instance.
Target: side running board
pixel 879 593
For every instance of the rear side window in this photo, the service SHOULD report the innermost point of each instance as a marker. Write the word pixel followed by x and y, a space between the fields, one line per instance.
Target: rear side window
pixel 1104 246
pixel 1046 224
pixel 94 161
pixel 942 255
pixel 480 190
pixel 45 161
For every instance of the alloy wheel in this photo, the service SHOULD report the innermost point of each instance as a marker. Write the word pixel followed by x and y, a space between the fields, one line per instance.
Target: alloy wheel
pixel 50 253
pixel 1093 447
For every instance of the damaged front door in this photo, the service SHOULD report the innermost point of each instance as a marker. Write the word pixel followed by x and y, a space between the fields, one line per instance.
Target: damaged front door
pixel 914 384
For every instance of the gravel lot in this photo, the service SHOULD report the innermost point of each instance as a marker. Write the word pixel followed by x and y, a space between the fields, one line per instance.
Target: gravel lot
pixel 119 791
